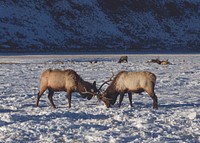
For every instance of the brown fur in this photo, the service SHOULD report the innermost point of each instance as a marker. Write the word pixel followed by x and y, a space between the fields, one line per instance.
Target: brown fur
pixel 128 82
pixel 67 80
pixel 123 59
pixel 165 62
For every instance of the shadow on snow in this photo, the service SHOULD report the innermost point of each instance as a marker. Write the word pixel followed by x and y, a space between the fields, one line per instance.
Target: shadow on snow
pixel 69 115
pixel 180 105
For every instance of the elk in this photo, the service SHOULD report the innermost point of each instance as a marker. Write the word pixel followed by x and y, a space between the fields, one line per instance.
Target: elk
pixel 165 62
pixel 68 81
pixel 123 59
pixel 128 82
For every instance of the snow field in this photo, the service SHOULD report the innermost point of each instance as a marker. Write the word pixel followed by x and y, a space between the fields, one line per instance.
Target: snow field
pixel 176 120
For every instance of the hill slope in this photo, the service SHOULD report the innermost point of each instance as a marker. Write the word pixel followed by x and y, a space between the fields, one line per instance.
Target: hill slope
pixel 90 25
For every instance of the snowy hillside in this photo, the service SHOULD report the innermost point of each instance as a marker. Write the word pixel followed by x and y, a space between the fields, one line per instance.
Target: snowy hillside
pixel 90 25
pixel 177 119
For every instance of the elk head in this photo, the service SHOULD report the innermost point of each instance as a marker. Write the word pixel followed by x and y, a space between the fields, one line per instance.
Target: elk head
pixel 104 96
pixel 99 95
pixel 88 90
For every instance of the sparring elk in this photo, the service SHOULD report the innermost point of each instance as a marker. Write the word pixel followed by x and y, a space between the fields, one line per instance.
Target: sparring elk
pixel 128 82
pixel 68 81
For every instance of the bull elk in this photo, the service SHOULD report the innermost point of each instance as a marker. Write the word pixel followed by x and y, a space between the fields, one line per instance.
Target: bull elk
pixel 68 81
pixel 128 82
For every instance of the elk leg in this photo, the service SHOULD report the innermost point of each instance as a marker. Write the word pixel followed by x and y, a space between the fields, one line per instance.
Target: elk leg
pixel 130 98
pixel 41 91
pixel 69 99
pixel 155 99
pixel 50 95
pixel 121 98
pixel 155 102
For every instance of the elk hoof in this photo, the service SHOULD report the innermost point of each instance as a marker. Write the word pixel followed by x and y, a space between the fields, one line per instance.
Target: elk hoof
pixel 155 106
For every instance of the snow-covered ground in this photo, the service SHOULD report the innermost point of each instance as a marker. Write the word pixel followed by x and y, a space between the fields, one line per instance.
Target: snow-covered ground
pixel 177 88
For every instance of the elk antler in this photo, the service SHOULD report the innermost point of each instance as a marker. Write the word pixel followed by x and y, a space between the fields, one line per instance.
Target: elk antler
pixel 92 93
pixel 87 92
pixel 100 96
pixel 107 82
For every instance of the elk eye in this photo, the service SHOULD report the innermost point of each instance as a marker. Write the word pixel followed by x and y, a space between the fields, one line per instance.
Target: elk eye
pixel 92 90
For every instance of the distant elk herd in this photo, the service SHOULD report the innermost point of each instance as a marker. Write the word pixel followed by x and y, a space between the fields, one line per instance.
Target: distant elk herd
pixel 125 82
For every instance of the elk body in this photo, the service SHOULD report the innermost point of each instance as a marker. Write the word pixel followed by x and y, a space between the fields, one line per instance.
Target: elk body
pixel 123 59
pixel 68 81
pixel 128 82
pixel 165 62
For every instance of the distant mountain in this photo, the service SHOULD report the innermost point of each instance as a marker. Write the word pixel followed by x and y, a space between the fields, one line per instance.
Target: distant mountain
pixel 100 25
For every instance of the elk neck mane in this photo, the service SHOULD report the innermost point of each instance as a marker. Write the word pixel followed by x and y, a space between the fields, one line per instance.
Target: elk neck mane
pixel 81 84
pixel 112 86
pixel 74 75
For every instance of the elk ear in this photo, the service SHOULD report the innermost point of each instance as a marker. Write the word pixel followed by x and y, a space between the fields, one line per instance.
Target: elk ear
pixel 94 84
